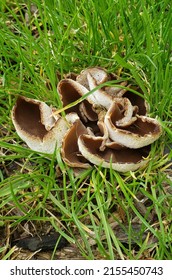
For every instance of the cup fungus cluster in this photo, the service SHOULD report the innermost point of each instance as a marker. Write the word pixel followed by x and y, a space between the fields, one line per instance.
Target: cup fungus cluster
pixel 109 127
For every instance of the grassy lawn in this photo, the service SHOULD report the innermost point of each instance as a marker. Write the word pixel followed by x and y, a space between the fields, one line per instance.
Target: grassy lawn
pixel 101 213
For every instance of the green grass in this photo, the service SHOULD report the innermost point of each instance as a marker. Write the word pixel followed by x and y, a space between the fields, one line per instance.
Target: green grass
pixel 131 38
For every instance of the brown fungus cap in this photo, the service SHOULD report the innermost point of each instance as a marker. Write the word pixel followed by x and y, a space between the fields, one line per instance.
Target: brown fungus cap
pixel 138 133
pixel 99 96
pixel 70 91
pixel 35 124
pixel 70 151
pixel 99 74
pixel 137 100
pixel 120 160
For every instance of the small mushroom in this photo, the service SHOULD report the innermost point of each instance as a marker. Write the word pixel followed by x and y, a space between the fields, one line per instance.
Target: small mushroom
pixel 99 96
pixel 99 74
pixel 128 111
pixel 70 91
pixel 70 151
pixel 137 100
pixel 116 91
pixel 122 160
pixel 142 131
pixel 35 124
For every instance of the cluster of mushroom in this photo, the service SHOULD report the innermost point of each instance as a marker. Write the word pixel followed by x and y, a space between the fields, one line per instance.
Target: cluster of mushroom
pixel 109 127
